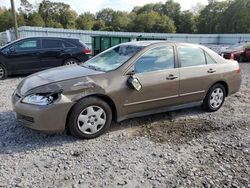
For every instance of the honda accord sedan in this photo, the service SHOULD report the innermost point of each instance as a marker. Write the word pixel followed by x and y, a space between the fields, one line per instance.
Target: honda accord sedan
pixel 126 81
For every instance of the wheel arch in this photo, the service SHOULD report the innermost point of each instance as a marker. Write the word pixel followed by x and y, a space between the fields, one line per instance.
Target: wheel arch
pixel 103 97
pixel 225 85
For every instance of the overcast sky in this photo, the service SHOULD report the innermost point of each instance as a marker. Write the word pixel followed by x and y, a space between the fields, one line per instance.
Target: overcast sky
pixel 96 5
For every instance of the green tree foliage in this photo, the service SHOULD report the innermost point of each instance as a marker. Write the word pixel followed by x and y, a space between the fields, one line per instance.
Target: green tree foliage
pixel 35 19
pixel 210 18
pixel 85 21
pixel 236 18
pixel 230 16
pixel 187 23
pixel 153 22
pixel 57 14
pixel 6 20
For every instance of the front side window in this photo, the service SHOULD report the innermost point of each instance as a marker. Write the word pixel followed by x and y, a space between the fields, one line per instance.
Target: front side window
pixel 191 56
pixel 156 59
pixel 51 43
pixel 112 58
pixel 27 45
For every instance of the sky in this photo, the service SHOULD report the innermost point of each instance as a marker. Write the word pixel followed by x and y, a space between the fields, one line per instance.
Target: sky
pixel 96 5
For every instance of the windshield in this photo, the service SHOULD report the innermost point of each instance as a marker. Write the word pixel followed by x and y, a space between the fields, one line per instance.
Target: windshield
pixel 113 58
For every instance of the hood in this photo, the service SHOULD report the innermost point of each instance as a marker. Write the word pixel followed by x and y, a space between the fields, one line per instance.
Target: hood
pixel 54 75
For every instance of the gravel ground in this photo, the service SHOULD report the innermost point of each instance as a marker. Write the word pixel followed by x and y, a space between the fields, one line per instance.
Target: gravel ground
pixel 186 148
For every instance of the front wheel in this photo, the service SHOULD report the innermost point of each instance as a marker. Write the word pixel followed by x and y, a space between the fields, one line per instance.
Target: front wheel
pixel 215 98
pixel 3 72
pixel 89 118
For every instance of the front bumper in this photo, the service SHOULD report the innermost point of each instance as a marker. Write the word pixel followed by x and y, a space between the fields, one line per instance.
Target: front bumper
pixel 51 118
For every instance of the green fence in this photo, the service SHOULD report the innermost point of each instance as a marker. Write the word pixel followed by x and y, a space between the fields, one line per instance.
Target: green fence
pixel 102 43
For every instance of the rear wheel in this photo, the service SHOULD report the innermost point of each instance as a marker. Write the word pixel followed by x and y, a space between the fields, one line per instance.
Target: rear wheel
pixel 215 98
pixel 89 118
pixel 3 72
pixel 241 59
pixel 71 61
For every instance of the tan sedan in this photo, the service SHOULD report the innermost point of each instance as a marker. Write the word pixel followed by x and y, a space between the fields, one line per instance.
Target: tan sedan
pixel 129 80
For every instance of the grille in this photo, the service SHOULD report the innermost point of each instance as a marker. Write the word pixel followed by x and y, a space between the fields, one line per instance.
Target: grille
pixel 25 118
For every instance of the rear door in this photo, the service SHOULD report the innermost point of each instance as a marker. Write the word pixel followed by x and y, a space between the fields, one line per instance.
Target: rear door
pixel 159 78
pixel 52 53
pixel 198 71
pixel 23 56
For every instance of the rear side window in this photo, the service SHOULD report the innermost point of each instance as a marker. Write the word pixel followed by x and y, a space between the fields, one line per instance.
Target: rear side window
pixel 68 44
pixel 191 56
pixel 159 58
pixel 52 43
pixel 209 59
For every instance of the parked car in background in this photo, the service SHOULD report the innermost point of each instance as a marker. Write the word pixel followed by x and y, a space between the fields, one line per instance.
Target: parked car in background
pixel 34 54
pixel 238 52
pixel 129 80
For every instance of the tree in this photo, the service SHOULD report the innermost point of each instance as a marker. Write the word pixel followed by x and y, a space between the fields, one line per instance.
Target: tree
pixel 236 18
pixel 6 20
pixel 85 21
pixel 26 8
pixel 196 9
pixel 57 14
pixel 210 18
pixel 153 22
pixel 106 15
pixel 68 18
pixel 173 11
pixel 187 22
pixel 120 21
pixel 35 19
pixel 98 25
pixel 170 9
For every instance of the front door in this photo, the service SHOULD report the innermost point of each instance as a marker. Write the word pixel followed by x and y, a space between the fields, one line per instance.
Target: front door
pixel 24 56
pixel 159 78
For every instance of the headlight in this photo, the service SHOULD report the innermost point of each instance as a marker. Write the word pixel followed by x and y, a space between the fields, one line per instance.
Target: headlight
pixel 40 99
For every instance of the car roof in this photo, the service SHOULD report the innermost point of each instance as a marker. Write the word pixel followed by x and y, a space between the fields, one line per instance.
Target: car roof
pixel 13 42
pixel 154 42
pixel 48 37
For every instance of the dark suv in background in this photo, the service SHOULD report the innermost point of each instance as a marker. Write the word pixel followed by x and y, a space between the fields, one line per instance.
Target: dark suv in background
pixel 34 54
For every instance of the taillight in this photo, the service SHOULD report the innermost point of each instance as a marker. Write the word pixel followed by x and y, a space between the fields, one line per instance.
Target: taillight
pixel 238 70
pixel 87 51
pixel 232 56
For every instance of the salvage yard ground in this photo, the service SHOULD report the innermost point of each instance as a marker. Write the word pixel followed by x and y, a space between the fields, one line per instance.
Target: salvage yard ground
pixel 186 148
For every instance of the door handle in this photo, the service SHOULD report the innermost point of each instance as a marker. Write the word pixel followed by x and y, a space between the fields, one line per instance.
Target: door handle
pixel 211 71
pixel 171 77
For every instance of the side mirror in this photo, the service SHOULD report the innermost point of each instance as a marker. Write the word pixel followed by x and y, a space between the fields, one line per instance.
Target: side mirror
pixel 134 83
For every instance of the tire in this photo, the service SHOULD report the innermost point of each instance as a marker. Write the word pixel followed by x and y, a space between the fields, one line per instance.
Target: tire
pixel 70 61
pixel 3 72
pixel 214 98
pixel 241 59
pixel 89 118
